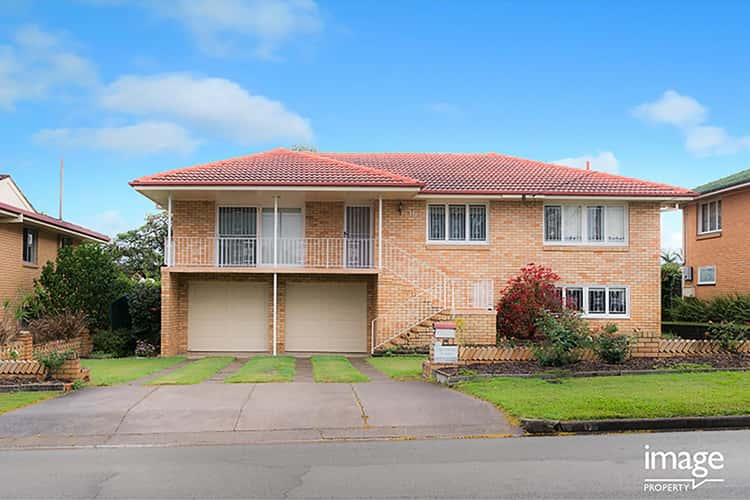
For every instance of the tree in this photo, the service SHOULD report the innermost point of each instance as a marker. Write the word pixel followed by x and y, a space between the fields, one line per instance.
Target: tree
pixel 140 252
pixel 671 257
pixel 525 298
pixel 83 278
pixel 671 285
pixel 304 148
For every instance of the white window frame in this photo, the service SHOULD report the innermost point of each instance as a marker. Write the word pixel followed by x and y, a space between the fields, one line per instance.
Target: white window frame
pixel 706 205
pixel 34 248
pixel 466 240
pixel 607 288
pixel 584 225
pixel 706 282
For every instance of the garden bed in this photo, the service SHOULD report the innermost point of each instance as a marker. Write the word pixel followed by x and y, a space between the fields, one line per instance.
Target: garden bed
pixel 593 368
pixel 15 384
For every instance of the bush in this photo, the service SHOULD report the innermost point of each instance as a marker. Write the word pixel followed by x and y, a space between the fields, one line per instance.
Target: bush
pixel 144 350
pixel 671 284
pixel 730 336
pixel 524 300
pixel 64 326
pixel 565 334
pixel 54 359
pixel 731 308
pixel 144 305
pixel 83 278
pixel 610 347
pixel 118 343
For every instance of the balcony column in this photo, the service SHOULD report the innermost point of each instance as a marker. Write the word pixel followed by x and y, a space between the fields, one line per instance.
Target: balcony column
pixel 275 275
pixel 168 246
pixel 380 232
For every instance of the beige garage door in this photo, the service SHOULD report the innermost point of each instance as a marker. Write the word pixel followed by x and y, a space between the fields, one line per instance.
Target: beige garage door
pixel 329 317
pixel 227 316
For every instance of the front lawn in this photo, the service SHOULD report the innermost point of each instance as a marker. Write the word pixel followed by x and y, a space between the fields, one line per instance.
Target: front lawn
pixel 265 369
pixel 121 370
pixel 408 367
pixel 328 368
pixel 10 401
pixel 194 372
pixel 628 396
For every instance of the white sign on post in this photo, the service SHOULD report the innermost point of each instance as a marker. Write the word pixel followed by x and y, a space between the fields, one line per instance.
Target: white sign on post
pixel 445 353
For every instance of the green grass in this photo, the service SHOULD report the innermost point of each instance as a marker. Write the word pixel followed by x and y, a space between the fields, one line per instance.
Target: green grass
pixel 121 370
pixel 408 367
pixel 10 401
pixel 265 369
pixel 628 396
pixel 194 372
pixel 335 369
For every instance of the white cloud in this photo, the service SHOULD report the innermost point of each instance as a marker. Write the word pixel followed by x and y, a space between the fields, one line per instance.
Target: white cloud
pixel 109 222
pixel 220 25
pixel 689 116
pixel 214 105
pixel 606 161
pixel 148 137
pixel 38 62
pixel 672 108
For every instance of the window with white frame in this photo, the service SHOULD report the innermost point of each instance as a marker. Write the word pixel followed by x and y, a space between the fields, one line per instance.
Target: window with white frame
pixel 594 224
pixel 595 300
pixel 707 275
pixel 456 223
pixel 709 217
pixel 30 243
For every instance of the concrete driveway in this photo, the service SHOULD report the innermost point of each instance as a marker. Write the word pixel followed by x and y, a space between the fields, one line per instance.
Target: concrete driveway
pixel 220 413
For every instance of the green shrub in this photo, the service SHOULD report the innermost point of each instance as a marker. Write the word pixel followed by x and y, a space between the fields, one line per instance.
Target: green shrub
pixel 564 335
pixel 144 306
pixel 118 343
pixel 730 336
pixel 610 347
pixel 732 308
pixel 54 359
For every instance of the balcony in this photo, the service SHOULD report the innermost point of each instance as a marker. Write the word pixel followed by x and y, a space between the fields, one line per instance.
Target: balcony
pixel 236 254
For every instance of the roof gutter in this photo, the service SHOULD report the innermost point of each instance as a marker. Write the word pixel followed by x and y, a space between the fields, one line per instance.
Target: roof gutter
pixel 670 199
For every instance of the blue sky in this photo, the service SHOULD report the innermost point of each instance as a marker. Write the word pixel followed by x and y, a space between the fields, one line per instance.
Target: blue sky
pixel 655 90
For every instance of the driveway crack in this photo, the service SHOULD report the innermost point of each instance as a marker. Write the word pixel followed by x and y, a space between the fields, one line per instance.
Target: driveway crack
pixel 117 429
pixel 242 408
pixel 361 407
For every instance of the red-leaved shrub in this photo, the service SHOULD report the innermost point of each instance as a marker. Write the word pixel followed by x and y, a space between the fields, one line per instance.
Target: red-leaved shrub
pixel 524 298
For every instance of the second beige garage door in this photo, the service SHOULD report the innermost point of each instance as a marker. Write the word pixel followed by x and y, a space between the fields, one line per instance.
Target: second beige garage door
pixel 326 317
pixel 227 316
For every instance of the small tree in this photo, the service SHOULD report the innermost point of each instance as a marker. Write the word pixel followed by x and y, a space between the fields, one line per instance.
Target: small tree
pixel 85 279
pixel 524 300
pixel 140 252
pixel 671 286
pixel 144 304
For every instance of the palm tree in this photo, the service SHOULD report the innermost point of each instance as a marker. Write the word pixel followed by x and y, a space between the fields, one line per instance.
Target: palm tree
pixel 671 257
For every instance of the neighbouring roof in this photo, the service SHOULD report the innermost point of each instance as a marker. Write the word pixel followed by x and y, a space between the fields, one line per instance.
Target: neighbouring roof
pixel 729 181
pixel 4 176
pixel 55 223
pixel 432 173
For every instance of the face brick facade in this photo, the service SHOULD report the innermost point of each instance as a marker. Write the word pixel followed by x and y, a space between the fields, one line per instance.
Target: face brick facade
pixel 514 239
pixel 728 249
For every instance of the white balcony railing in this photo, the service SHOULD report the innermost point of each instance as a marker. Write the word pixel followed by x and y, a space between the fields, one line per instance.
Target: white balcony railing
pixel 240 252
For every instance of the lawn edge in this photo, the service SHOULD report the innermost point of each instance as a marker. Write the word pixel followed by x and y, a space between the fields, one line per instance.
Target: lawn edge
pixel 550 426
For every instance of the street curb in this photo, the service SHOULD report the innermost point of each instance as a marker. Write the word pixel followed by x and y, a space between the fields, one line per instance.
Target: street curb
pixel 544 426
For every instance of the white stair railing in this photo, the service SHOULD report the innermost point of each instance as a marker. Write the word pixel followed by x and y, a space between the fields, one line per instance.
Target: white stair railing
pixel 436 292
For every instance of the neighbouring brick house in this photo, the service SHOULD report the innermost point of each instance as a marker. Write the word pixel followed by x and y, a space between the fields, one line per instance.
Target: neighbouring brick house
pixel 369 247
pixel 29 239
pixel 716 238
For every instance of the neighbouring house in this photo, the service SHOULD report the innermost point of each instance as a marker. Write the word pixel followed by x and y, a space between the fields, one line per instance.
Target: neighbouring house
pixel 717 238
pixel 28 239
pixel 287 251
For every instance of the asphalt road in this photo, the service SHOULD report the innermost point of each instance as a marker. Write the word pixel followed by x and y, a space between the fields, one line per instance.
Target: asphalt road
pixel 608 466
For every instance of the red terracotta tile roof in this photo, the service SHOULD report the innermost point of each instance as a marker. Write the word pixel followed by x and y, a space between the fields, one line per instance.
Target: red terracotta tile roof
pixel 492 173
pixel 433 173
pixel 61 224
pixel 279 167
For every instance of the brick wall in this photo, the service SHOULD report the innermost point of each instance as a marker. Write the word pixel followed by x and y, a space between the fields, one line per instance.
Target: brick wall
pixel 16 275
pixel 728 250
pixel 515 233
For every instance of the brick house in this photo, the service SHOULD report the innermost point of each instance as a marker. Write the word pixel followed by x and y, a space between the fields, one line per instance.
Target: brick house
pixel 369 247
pixel 716 239
pixel 29 239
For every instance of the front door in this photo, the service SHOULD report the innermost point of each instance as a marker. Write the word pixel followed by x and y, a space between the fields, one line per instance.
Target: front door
pixel 291 241
pixel 358 237
pixel 236 244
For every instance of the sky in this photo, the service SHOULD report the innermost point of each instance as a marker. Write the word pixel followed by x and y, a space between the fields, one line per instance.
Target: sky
pixel 119 89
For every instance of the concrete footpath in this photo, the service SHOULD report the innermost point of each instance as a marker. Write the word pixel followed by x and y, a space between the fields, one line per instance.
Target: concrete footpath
pixel 215 413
